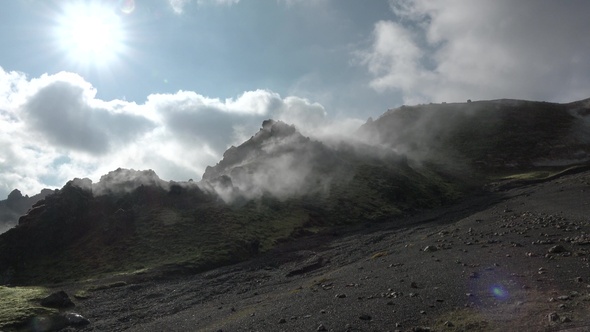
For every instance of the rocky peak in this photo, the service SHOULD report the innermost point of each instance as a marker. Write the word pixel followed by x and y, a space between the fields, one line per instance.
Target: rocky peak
pixel 14 195
pixel 272 133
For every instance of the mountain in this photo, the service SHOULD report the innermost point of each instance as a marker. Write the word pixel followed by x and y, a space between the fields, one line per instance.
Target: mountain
pixel 275 187
pixel 491 136
pixel 15 205
pixel 280 185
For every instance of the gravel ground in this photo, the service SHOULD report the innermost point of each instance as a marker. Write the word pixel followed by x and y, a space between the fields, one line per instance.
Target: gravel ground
pixel 504 260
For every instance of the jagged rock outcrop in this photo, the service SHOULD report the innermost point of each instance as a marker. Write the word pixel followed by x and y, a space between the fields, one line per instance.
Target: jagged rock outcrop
pixel 278 161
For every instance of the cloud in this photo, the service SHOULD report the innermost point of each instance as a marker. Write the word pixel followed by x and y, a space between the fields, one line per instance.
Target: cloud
pixel 53 128
pixel 455 50
pixel 221 123
pixel 178 5
pixel 290 3
pixel 62 108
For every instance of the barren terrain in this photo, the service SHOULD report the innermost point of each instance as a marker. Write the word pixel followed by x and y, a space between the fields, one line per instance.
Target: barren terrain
pixel 507 259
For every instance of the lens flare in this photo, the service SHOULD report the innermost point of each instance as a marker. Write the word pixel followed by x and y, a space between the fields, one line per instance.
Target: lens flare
pixel 499 292
pixel 127 6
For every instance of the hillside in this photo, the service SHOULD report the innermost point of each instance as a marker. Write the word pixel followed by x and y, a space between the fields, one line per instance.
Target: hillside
pixel 489 136
pixel 280 193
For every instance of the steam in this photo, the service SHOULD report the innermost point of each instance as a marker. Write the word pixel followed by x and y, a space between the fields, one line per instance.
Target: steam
pixel 277 161
pixel 120 181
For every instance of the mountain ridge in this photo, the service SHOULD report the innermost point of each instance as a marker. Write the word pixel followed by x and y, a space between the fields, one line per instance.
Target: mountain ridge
pixel 280 185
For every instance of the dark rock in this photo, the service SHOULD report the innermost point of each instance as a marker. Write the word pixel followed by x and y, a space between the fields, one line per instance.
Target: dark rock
pixel 430 249
pixel 557 249
pixel 553 317
pixel 421 329
pixel 365 317
pixel 57 300
pixel 321 327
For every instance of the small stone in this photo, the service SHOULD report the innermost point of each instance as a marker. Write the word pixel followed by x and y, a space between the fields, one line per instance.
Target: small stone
pixel 565 320
pixel 430 249
pixel 563 298
pixel 340 296
pixel 75 319
pixel 579 279
pixel 414 284
pixel 282 321
pixel 421 329
pixel 557 249
pixel 321 327
pixel 553 317
pixel 365 317
pixel 449 324
pixel 422 312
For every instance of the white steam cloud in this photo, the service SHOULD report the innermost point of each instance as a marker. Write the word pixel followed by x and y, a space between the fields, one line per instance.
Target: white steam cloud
pixel 53 128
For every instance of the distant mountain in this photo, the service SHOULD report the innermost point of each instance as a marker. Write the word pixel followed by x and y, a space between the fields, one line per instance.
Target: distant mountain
pixel 280 185
pixel 17 205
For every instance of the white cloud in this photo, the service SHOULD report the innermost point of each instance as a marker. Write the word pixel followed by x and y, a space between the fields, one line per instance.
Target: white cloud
pixel 62 109
pixel 290 3
pixel 178 5
pixel 53 128
pixel 459 49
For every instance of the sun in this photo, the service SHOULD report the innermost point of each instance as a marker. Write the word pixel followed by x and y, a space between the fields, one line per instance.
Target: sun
pixel 90 33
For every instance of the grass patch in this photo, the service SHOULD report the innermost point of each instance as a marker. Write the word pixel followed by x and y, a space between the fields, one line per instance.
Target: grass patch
pixel 82 295
pixel 541 173
pixel 18 306
pixel 533 175
pixel 107 286
pixel 379 254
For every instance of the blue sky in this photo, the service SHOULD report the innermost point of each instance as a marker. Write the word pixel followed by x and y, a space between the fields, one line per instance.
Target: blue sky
pixel 90 86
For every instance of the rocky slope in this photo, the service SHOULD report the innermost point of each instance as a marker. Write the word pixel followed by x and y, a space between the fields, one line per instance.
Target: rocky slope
pixel 503 260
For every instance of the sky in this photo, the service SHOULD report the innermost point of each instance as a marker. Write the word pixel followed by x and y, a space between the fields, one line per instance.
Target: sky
pixel 89 86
